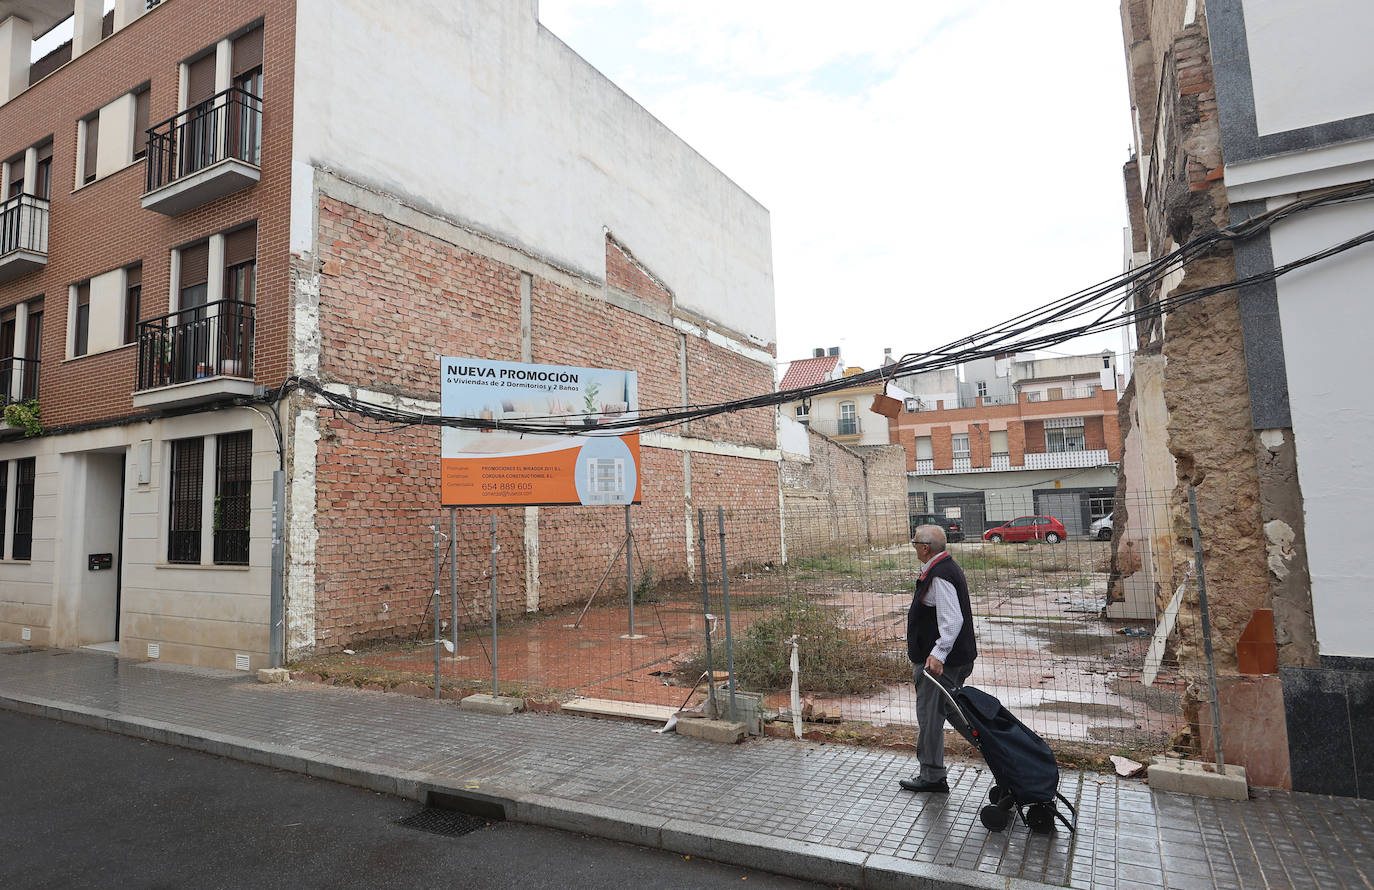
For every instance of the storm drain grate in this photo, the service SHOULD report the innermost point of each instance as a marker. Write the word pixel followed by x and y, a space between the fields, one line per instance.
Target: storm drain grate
pixel 446 822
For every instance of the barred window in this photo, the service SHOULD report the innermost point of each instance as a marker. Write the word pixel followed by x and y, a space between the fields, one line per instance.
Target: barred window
pixel 183 532
pixel 233 479
pixel 23 509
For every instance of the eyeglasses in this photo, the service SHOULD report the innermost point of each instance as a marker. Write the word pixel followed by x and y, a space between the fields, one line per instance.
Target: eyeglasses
pixel 920 543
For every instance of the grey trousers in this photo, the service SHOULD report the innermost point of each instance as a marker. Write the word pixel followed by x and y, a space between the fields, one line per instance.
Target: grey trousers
pixel 931 707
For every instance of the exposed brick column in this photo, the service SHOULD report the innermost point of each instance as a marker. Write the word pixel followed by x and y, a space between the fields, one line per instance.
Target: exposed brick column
pixel 942 448
pixel 979 445
pixel 1093 434
pixel 1016 443
pixel 1035 437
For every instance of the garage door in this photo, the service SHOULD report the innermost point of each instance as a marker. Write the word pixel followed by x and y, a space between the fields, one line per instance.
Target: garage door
pixel 967 507
pixel 1067 508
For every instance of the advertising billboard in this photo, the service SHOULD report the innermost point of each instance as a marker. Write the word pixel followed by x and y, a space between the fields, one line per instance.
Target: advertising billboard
pixel 502 467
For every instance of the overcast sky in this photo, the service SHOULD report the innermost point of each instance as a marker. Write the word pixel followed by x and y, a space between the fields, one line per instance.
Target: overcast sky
pixel 930 168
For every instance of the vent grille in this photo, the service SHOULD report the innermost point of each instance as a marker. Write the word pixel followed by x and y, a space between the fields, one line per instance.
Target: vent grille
pixel 26 634
pixel 241 661
pixel 154 650
pixel 449 823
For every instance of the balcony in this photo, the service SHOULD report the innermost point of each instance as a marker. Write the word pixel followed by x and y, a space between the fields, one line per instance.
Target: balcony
pixel 18 380
pixel 1066 460
pixel 23 235
pixel 843 428
pixel 194 356
pixel 204 153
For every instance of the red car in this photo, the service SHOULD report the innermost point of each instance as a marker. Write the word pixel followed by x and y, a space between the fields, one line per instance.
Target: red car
pixel 1027 528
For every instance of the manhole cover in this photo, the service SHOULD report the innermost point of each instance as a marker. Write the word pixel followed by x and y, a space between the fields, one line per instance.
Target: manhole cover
pixel 446 822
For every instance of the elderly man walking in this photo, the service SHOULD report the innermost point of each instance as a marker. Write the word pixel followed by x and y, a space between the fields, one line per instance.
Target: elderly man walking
pixel 939 639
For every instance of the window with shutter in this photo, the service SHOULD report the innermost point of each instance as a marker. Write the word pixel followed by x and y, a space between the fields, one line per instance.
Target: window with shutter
pixel 92 136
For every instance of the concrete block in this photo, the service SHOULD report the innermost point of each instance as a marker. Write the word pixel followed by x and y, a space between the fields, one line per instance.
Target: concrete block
pixel 273 675
pixel 713 730
pixel 1197 778
pixel 484 703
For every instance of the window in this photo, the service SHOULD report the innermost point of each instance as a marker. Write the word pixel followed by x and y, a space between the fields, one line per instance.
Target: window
pixel 23 509
pixel 133 299
pixel 42 176
pixel 34 338
pixel 183 532
pixel 1065 439
pixel 849 420
pixel 245 121
pixel 924 449
pixel 90 140
pixel 999 442
pixel 141 102
pixel 233 476
pixel 803 412
pixel 82 320
pixel 1035 396
pixel 961 446
pixel 982 389
pixel 195 267
pixel 4 501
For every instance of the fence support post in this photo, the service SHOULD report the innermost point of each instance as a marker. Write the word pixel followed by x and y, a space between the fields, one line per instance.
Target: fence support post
pixel 1206 628
pixel 706 613
pixel 630 574
pixel 495 691
pixel 725 592
pixel 435 606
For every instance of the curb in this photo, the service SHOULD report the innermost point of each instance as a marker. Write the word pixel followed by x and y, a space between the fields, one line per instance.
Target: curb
pixel 796 859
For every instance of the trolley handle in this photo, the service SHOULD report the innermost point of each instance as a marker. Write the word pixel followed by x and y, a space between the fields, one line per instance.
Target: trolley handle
pixel 956 713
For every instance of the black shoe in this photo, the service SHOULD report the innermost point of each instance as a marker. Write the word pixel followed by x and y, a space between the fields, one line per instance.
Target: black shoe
pixel 940 787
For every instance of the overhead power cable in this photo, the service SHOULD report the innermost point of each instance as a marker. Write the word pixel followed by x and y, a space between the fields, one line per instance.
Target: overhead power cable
pixel 1095 309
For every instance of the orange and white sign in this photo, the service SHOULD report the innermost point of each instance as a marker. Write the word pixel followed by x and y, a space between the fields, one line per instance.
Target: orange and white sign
pixel 502 467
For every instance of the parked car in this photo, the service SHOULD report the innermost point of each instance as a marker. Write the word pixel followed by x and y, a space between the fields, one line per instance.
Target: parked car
pixel 1102 528
pixel 1027 528
pixel 954 529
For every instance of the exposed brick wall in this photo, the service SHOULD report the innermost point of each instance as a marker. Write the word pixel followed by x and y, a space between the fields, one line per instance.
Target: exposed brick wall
pixel 1016 443
pixel 979 445
pixel 102 226
pixel 844 498
pixel 376 491
pixel 1035 436
pixel 1093 436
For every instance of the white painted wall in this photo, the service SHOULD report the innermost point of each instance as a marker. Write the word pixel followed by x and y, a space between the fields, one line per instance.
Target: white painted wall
pixel 1310 62
pixel 470 108
pixel 792 437
pixel 1326 316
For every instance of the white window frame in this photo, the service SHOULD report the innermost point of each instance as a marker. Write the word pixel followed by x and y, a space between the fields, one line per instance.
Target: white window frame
pixel 956 442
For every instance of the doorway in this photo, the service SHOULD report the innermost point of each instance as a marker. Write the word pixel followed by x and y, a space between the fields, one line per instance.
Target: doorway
pixel 97 562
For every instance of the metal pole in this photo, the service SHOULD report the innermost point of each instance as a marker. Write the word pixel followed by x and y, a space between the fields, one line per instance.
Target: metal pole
pixel 630 570
pixel 276 635
pixel 453 582
pixel 495 689
pixel 436 608
pixel 725 592
pixel 1206 628
pixel 706 611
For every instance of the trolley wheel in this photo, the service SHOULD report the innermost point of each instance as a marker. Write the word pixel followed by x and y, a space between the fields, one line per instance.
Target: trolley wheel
pixel 995 793
pixel 1040 817
pixel 994 818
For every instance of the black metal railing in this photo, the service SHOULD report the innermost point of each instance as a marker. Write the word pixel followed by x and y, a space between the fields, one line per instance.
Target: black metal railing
pixel 18 379
pixel 214 340
pixel 24 224
pixel 227 125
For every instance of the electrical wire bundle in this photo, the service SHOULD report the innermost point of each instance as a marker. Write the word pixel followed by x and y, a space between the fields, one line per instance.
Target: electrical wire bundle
pixel 1107 305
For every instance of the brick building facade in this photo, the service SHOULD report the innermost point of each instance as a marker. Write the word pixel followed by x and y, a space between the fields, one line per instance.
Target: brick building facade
pixel 291 215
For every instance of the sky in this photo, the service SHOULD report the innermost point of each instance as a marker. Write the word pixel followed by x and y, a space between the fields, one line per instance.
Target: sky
pixel 929 168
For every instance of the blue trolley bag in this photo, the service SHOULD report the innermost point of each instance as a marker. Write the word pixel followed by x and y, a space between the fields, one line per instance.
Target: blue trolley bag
pixel 1022 764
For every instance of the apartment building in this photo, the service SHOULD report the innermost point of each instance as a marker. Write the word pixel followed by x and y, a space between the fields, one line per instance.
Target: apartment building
pixel 845 414
pixel 1004 437
pixel 205 201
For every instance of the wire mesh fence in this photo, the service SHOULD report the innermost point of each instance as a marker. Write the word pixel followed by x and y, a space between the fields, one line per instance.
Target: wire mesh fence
pixel 1090 632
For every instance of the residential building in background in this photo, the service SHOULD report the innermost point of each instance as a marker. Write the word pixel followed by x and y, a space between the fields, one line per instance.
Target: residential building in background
pixel 1014 435
pixel 845 414
pixel 1256 396
pixel 205 201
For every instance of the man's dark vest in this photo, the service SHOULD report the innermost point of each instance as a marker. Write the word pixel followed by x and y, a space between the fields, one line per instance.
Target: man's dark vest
pixel 922 628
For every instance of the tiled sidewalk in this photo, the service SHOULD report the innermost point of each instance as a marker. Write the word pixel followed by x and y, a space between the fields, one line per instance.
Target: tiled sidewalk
pixel 821 811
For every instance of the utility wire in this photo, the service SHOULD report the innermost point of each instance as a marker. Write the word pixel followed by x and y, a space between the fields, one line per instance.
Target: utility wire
pixel 1103 306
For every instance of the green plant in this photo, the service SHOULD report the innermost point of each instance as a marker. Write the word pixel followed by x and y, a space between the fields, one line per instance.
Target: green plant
pixel 24 414
pixel 833 659
pixel 828 562
pixel 589 398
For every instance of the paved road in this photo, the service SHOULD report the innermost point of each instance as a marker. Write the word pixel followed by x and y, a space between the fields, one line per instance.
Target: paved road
pixel 83 808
